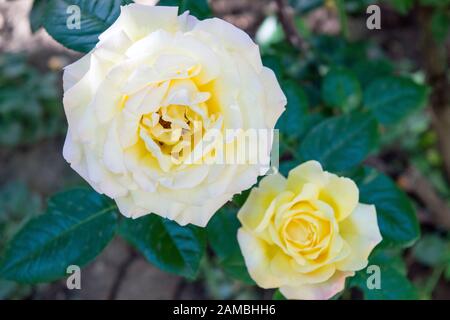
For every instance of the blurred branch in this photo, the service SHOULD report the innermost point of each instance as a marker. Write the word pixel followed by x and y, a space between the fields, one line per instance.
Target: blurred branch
pixel 123 267
pixel 432 281
pixel 435 62
pixel 342 18
pixel 414 182
pixel 286 17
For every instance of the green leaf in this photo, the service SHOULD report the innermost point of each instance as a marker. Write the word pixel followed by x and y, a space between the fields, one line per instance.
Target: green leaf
pixel 341 89
pixel 367 70
pixel 198 8
pixel 274 63
pixel 332 50
pixel 357 6
pixel 240 198
pixel 447 272
pixel 392 257
pixel 37 14
pixel 402 6
pixel 440 25
pixel 304 6
pixel 340 143
pixel 292 120
pixel 396 215
pixel 393 98
pixel 435 3
pixel 394 282
pixel 17 205
pixel 96 17
pixel 277 295
pixel 166 244
pixel 77 226
pixel 222 236
pixel 431 250
pixel 394 285
pixel 286 166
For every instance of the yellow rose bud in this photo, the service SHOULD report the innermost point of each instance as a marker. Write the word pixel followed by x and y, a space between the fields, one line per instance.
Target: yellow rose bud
pixel 306 234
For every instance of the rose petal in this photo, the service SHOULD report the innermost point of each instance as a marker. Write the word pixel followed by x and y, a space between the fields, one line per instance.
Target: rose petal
pixel 360 231
pixel 319 291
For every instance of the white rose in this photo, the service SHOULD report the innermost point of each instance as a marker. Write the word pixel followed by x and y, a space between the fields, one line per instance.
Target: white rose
pixel 131 101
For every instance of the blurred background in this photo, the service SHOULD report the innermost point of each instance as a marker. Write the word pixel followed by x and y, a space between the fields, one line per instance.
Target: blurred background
pixel 413 39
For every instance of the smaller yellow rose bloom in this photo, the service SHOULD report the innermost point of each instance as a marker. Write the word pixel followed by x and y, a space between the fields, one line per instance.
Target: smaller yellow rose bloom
pixel 306 234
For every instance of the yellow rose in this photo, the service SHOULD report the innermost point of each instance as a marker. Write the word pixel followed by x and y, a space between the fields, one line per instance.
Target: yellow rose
pixel 154 83
pixel 307 233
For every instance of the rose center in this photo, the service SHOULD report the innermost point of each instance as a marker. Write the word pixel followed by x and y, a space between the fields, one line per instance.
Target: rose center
pixel 301 232
pixel 172 130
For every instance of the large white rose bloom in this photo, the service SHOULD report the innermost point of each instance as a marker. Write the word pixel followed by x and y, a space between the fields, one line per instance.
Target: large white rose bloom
pixel 148 83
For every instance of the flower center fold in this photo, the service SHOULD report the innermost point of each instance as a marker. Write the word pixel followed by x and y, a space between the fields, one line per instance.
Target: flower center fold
pixel 174 117
pixel 304 229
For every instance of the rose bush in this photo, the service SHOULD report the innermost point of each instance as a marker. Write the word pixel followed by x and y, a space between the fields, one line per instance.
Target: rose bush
pixel 144 107
pixel 306 234
pixel 153 82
